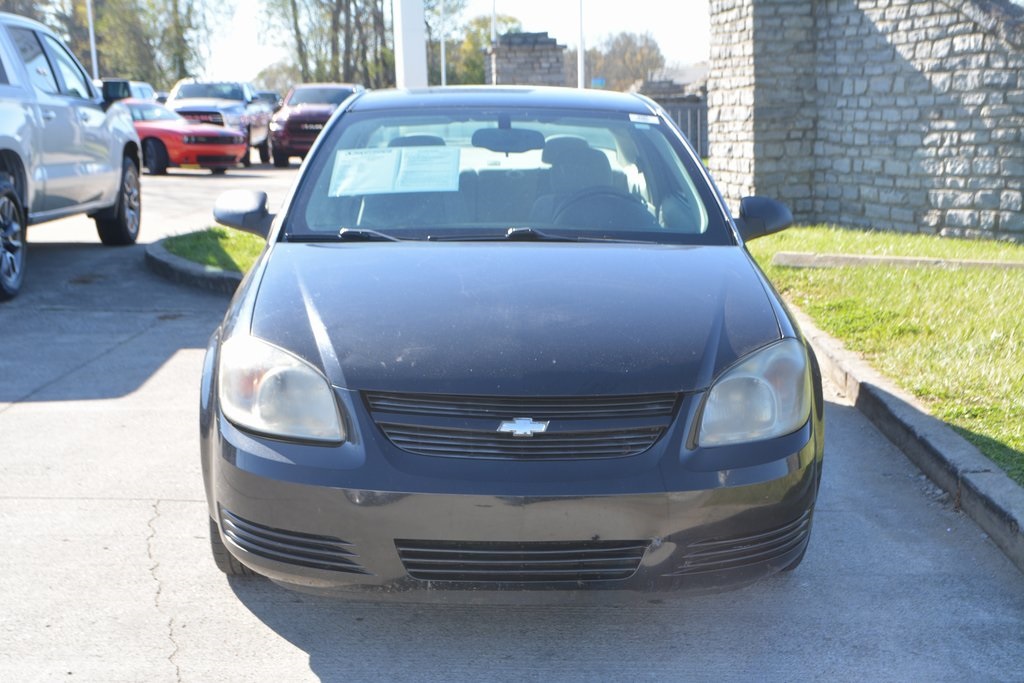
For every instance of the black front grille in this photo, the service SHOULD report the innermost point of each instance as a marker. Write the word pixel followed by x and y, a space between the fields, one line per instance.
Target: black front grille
pixel 215 118
pixel 741 551
pixel 516 562
pixel 454 443
pixel 585 407
pixel 213 140
pixel 293 547
pixel 556 428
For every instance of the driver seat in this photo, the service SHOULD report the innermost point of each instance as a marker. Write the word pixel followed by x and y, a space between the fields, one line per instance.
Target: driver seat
pixel 575 166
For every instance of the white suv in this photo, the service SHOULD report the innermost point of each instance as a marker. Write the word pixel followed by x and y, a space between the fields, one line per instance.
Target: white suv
pixel 65 147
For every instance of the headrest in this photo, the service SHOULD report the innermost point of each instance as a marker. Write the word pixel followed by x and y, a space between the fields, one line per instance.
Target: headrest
pixel 565 149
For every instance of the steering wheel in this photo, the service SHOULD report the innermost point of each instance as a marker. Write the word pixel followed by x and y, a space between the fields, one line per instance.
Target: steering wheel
pixel 605 208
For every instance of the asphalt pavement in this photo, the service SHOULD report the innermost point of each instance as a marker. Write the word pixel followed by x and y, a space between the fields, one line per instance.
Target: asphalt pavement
pixel 105 572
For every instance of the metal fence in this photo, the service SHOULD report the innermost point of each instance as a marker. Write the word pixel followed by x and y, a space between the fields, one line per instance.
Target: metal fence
pixel 692 119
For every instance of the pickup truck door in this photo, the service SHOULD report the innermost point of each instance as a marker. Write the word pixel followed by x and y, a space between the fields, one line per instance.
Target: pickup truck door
pixel 72 157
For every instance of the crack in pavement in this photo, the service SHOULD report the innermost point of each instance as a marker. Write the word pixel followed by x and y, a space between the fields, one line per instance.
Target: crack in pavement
pixel 154 565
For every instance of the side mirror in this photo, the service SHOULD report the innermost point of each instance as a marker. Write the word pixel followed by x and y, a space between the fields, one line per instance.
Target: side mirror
pixel 245 210
pixel 114 90
pixel 760 216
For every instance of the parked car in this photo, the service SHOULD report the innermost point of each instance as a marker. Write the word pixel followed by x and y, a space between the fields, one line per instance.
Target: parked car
pixel 65 147
pixel 169 139
pixel 139 89
pixel 230 104
pixel 271 98
pixel 507 338
pixel 305 110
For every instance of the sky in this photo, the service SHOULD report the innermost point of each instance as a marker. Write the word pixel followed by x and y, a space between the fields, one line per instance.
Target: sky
pixel 680 27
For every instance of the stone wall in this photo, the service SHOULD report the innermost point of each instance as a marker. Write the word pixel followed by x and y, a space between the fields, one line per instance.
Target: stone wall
pixel 890 114
pixel 526 59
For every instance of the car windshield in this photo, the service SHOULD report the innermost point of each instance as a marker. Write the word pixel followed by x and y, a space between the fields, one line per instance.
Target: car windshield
pixel 318 96
pixel 152 112
pixel 462 173
pixel 223 91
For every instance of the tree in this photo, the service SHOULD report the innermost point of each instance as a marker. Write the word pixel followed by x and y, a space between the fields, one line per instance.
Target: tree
pixel 26 8
pixel 335 40
pixel 469 65
pixel 626 58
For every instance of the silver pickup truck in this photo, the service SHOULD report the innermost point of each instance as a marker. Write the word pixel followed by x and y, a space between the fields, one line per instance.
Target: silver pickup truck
pixel 65 148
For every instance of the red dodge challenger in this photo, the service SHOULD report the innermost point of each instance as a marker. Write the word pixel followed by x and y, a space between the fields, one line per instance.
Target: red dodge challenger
pixel 169 139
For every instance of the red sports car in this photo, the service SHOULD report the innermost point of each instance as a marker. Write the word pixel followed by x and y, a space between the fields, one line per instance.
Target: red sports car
pixel 169 139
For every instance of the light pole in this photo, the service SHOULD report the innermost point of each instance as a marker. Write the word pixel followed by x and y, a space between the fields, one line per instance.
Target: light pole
pixel 92 40
pixel 581 55
pixel 444 69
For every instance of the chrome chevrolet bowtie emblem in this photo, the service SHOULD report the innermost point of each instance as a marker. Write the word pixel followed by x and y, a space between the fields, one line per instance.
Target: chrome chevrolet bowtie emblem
pixel 522 426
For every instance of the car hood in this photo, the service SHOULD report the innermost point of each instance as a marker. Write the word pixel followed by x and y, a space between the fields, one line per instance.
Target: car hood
pixel 312 112
pixel 513 318
pixel 203 103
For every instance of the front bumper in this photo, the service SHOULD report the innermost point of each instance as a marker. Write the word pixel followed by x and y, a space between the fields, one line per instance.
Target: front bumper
pixel 208 155
pixel 316 534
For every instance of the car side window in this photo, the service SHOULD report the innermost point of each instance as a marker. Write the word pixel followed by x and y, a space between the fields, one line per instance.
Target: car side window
pixel 75 82
pixel 38 66
pixel 3 73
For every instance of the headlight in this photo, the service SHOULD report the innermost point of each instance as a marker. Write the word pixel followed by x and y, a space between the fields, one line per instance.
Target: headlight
pixel 268 390
pixel 276 126
pixel 768 394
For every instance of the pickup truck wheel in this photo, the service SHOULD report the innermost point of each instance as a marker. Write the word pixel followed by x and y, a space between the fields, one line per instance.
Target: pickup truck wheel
pixel 12 240
pixel 264 148
pixel 119 224
pixel 246 161
pixel 154 156
pixel 281 159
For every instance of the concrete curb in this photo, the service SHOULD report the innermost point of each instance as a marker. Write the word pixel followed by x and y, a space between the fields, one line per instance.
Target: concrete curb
pixel 978 487
pixel 187 272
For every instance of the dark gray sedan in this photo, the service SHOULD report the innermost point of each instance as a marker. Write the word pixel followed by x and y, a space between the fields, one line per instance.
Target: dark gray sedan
pixel 507 339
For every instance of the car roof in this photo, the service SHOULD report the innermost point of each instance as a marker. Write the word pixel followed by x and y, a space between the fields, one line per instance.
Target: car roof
pixel 502 96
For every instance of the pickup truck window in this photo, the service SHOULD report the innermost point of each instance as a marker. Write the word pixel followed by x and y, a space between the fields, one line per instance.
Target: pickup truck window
pixel 75 82
pixel 38 67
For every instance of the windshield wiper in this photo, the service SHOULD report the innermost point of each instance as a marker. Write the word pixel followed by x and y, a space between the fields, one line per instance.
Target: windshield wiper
pixel 517 234
pixel 526 234
pixel 364 235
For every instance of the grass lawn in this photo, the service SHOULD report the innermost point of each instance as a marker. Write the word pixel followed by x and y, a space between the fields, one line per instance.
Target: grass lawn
pixel 952 337
pixel 223 248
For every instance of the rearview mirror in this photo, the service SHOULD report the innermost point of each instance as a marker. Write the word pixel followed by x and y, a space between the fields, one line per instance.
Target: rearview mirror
pixel 508 139
pixel 760 216
pixel 245 210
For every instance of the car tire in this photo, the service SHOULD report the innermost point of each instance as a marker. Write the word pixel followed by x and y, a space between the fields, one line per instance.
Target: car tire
pixel 154 157
pixel 265 151
pixel 224 560
pixel 12 240
pixel 246 159
pixel 281 159
pixel 119 225
pixel 218 171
